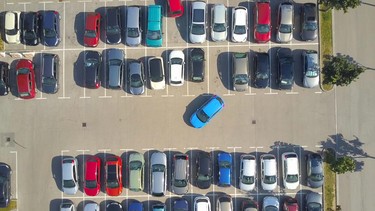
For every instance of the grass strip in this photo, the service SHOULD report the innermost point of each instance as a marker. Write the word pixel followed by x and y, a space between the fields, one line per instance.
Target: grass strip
pixel 326 42
pixel 12 206
pixel 329 189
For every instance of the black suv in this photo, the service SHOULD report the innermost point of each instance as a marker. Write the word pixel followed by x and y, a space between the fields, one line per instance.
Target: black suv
pixel 29 35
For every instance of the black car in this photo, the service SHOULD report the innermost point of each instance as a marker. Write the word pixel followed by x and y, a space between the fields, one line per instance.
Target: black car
pixel 114 206
pixel 92 62
pixel 49 27
pixel 204 170
pixel 262 73
pixel 4 78
pixel 5 184
pixel 113 25
pixel 50 73
pixel 309 22
pixel 197 65
pixel 29 34
pixel 285 68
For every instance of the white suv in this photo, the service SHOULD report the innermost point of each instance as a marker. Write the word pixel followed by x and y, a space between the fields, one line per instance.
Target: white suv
pixel 239 24
pixel 176 68
pixel 70 175
pixel 198 22
pixel 247 172
pixel 268 168
pixel 290 166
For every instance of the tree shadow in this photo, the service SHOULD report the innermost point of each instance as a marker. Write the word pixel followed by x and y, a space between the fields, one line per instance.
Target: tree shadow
pixel 347 147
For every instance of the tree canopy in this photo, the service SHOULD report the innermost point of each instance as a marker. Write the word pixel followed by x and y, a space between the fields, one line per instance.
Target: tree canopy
pixel 340 4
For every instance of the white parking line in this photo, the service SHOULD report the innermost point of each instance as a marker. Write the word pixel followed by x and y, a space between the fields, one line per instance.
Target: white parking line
pixel 319 146
pixel 46 2
pixel 105 96
pixel 10 3
pixel 271 93
pixel 320 92
pixel 104 150
pixel 291 93
pixel 148 149
pixel 15 152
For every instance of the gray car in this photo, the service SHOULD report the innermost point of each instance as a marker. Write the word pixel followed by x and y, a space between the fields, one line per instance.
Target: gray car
pixel 224 203
pixel 67 206
pixel 271 203
pixel 133 26
pixel 314 202
pixel 158 173
pixel 136 172
pixel 136 78
pixel 219 23
pixel 285 21
pixel 70 175
pixel 309 22
pixel 50 73
pixel 314 168
pixel 310 64
pixel 180 174
pixel 115 62
pixel 240 72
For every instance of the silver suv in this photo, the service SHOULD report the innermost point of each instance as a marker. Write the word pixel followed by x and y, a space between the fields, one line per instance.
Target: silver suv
pixel 158 173
pixel 180 174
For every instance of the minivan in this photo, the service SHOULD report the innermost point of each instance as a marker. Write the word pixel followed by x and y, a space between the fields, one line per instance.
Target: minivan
pixel 154 35
pixel 133 26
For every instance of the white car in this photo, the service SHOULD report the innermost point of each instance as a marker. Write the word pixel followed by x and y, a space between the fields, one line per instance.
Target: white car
pixel 219 23
pixel 268 168
pixel 70 175
pixel 12 27
pixel 176 68
pixel 202 203
pixel 290 166
pixel 247 173
pixel 92 206
pixel 156 73
pixel 198 22
pixel 239 24
pixel 67 206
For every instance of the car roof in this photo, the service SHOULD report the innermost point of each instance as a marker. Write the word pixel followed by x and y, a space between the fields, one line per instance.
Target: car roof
pixel 91 20
pixel 249 166
pixel 156 66
pixel 180 167
pixel 175 5
pixel 220 13
pixel 133 14
pixel 48 65
pixel 240 15
pixel 198 6
pixel 292 162
pixel 213 105
pixel 29 20
pixel 264 12
pixel 112 18
pixel 48 19
pixel 241 64
pixel 67 168
pixel 269 165
pixel 286 9
pixel 154 13
pixel 310 11
pixel 91 169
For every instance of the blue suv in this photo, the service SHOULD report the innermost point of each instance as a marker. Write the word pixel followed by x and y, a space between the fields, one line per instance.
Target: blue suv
pixel 206 112
pixel 224 161
pixel 49 28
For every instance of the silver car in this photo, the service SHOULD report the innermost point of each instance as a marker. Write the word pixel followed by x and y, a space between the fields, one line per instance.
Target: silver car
pixel 115 62
pixel 224 203
pixel 70 175
pixel 240 72
pixel 315 172
pixel 133 26
pixel 136 171
pixel 219 23
pixel 180 174
pixel 198 22
pixel 285 21
pixel 311 72
pixel 271 203
pixel 91 206
pixel 67 206
pixel 158 173
pixel 136 78
pixel 314 202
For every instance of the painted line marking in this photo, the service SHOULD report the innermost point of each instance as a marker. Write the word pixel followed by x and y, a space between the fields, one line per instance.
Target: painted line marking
pixel 45 2
pixel 126 96
pixel 105 96
pixel 65 150
pixel 234 147
pixel 170 149
pixel 319 146
pixel 126 149
pixel 145 96
pixel 10 3
pixel 15 152
pixel 191 148
pixel 228 94
pixel 148 149
pixel 104 150
pixel 304 146
pixel 83 150
pixel 167 95
pixel 41 98
pixel 24 3
pixel 318 92
pixel 291 93
pixel 84 97
pixel 271 93
pixel 251 93
pixel 63 98
pixel 188 95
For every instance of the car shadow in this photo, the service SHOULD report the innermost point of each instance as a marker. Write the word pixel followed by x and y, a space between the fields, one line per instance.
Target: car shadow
pixel 54 204
pixel 298 68
pixel 182 23
pixel 103 12
pixel 81 171
pixel 273 65
pixel 170 154
pixel 78 70
pixel 297 21
pixel 79 26
pixel 2 25
pixel 37 60
pixel 194 105
pixel 56 170
pixel 13 78
pixel 224 67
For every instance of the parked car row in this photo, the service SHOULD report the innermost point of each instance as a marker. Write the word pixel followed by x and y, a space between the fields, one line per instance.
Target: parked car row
pixel 204 165
pixel 313 202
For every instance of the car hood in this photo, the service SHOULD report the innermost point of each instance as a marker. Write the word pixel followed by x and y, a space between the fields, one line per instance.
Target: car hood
pixel 158 85
pixel 70 191
pixel 197 38
pixel 240 87
pixel 51 41
pixel 224 176
pixel 239 37
pixel 50 88
pixel 137 91
pixel 180 190
pixel 261 83
pixel 310 82
pixel 32 42
pixel 315 184
pixel 270 201
pixel 13 39
pixel 246 187
pixel 204 184
pixel 195 122
pixel 269 187
pixel 218 36
pixel 114 191
pixel 91 206
pixel 309 35
pixel 91 41
pixel 133 41
pixel 284 37
pixel 3 89
pixel 92 191
pixel 263 37
pixel 113 38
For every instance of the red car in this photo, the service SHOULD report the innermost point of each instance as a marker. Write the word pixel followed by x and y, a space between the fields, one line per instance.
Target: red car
pixel 92 29
pixel 92 177
pixel 176 9
pixel 113 176
pixel 290 204
pixel 25 79
pixel 262 21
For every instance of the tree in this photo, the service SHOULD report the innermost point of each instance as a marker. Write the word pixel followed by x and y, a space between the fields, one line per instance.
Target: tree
pixel 343 165
pixel 341 70
pixel 340 4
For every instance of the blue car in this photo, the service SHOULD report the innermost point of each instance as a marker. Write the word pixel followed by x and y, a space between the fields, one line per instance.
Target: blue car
pixel 224 160
pixel 206 112
pixel 135 206
pixel 49 28
pixel 180 205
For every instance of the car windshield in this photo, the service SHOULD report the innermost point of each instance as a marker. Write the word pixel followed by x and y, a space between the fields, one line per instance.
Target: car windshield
pixel 135 165
pixel 23 71
pixel 197 29
pixel 292 178
pixel 48 81
pixel 203 177
pixel 219 27
pixel 136 81
pixel 133 32
pixel 312 73
pixel 112 181
pixel 91 62
pixel 180 183
pixel 313 206
pixel 316 177
pixel 271 208
pixel 262 76
pixel 69 183
pixel 91 184
pixel 285 28
pixel 158 168
pixel 269 179
pixel 263 28
pixel 224 164
pixel 90 33
pixel 114 62
pixel 197 57
pixel 286 81
pixel 202 116
pixel 247 180
pixel 113 30
pixel 11 31
pixel 154 35
pixel 310 26
pixel 49 33
pixel 241 79
pixel 30 35
pixel 176 61
pixel 239 30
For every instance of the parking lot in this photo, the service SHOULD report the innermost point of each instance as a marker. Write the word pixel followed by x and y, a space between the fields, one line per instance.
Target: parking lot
pixel 78 121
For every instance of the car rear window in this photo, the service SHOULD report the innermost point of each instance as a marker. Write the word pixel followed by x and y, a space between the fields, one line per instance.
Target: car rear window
pixel 156 70
pixel 198 15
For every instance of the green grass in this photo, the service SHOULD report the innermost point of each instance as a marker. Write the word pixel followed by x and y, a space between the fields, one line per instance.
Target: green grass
pixel 12 206
pixel 329 189
pixel 326 47
pixel 1 45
